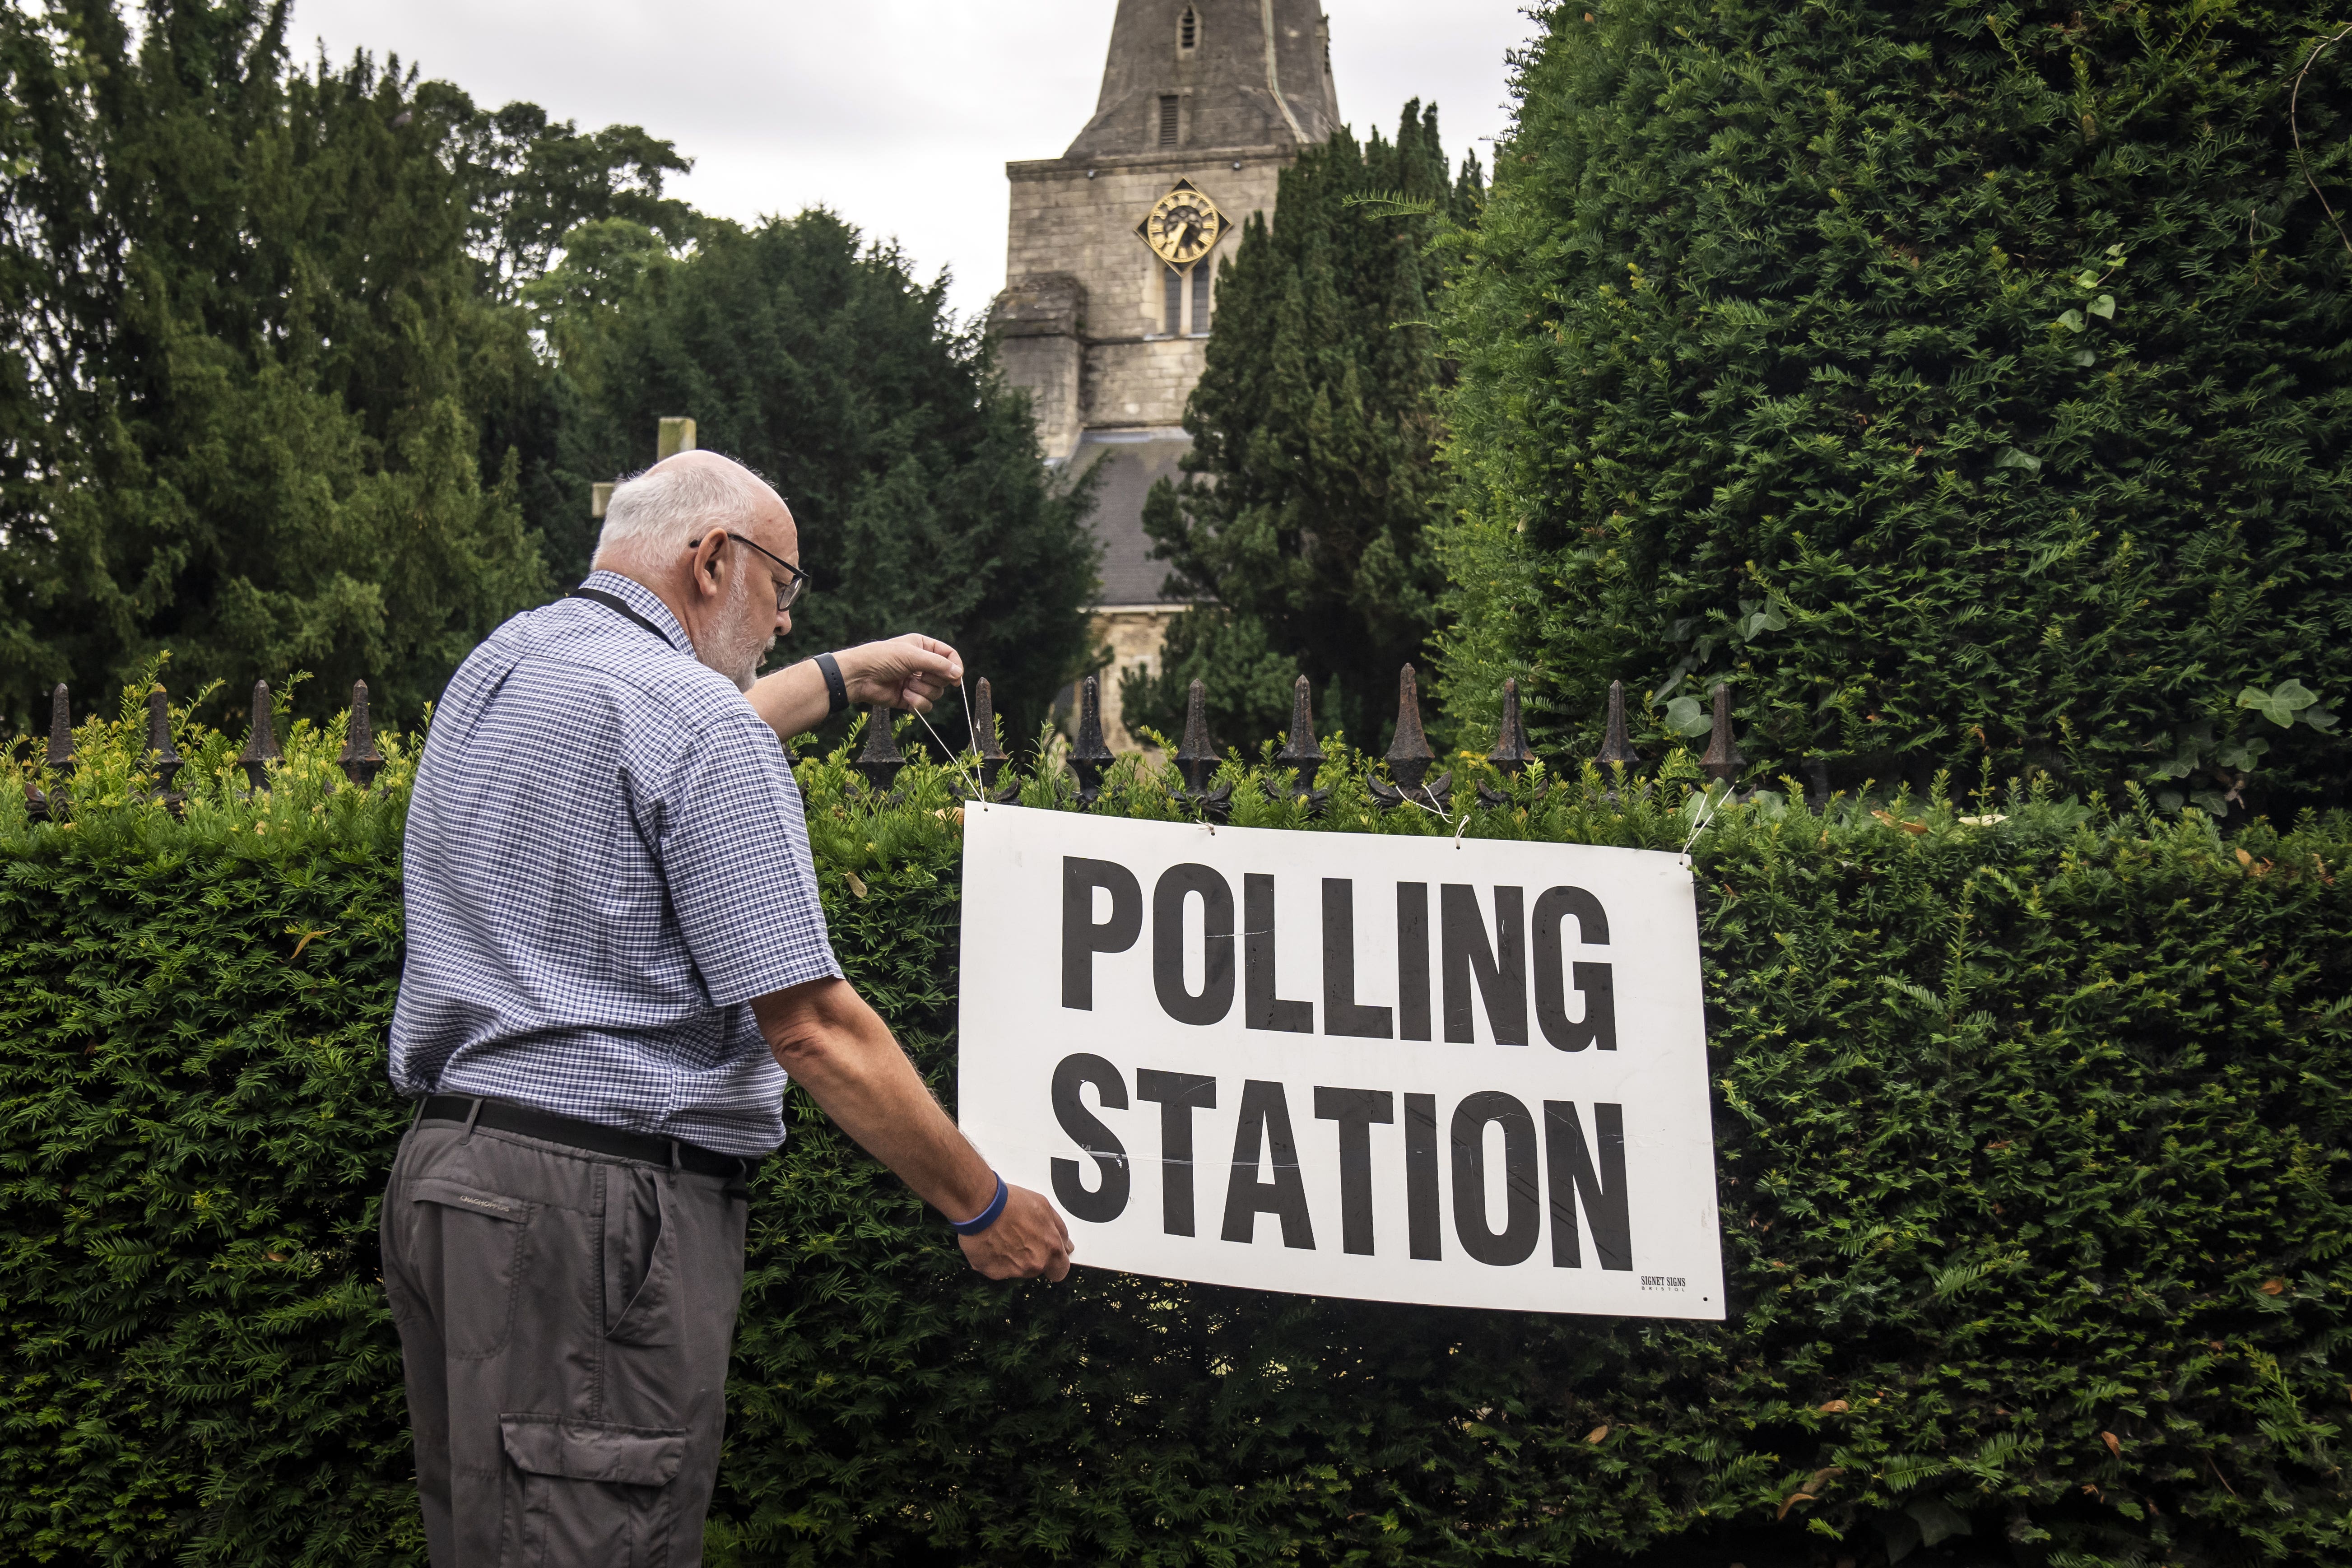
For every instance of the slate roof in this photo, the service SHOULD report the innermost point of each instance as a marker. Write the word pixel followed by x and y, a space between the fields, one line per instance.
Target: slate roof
pixel 1132 461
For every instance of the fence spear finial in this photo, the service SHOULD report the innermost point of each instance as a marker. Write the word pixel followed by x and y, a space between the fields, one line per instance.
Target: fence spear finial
pixel 1409 755
pixel 879 758
pixel 1196 759
pixel 983 736
pixel 261 743
pixel 1722 762
pixel 1301 751
pixel 163 758
pixel 1511 753
pixel 361 761
pixel 61 751
pixel 1616 749
pixel 1090 755
pixel 59 761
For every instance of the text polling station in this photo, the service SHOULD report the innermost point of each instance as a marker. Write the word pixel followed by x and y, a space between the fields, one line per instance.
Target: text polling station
pixel 1466 1073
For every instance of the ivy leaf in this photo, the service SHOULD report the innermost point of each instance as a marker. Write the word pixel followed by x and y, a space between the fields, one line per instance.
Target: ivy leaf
pixel 2010 457
pixel 1939 1521
pixel 2319 718
pixel 2103 307
pixel 2071 320
pixel 2281 703
pixel 2087 280
pixel 1686 717
pixel 2085 357
pixel 1767 619
pixel 2245 755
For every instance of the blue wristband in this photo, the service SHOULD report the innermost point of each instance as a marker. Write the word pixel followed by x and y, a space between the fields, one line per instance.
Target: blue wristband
pixel 986 1217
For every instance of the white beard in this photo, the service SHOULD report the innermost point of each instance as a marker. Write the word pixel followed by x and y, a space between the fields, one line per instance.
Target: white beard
pixel 744 648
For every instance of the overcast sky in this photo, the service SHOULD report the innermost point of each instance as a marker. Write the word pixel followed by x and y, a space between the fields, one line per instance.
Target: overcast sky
pixel 898 114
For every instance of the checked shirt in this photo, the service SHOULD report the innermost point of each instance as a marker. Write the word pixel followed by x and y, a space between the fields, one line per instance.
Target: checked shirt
pixel 605 861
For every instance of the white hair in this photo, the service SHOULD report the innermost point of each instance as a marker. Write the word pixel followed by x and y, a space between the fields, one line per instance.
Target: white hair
pixel 676 503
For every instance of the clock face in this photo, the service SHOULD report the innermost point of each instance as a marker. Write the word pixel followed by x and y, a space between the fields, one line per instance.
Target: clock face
pixel 1182 226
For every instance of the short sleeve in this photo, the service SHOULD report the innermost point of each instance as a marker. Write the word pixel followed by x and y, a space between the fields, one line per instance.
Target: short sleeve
pixel 734 853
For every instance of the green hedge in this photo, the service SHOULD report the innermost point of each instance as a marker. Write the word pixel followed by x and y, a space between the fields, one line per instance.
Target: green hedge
pixel 2032 1138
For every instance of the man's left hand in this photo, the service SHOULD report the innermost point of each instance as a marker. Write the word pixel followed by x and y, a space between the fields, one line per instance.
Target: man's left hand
pixel 903 672
pixel 907 672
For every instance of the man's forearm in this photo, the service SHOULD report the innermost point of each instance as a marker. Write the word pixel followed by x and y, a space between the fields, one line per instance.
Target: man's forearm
pixel 793 700
pixel 839 1051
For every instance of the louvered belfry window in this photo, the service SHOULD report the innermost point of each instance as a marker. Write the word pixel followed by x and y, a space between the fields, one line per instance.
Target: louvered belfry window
pixel 1171 300
pixel 1187 29
pixel 1168 121
pixel 1201 298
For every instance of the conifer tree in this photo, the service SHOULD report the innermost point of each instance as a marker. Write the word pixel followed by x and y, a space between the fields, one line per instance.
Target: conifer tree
pixel 820 360
pixel 258 326
pixel 1967 387
pixel 1303 518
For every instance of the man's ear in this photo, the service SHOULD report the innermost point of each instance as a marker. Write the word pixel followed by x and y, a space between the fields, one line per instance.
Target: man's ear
pixel 707 565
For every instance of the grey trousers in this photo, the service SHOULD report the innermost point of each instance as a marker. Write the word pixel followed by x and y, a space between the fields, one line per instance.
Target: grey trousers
pixel 564 1322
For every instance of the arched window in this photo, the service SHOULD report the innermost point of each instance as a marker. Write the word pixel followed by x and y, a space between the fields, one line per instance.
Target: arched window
pixel 1187 29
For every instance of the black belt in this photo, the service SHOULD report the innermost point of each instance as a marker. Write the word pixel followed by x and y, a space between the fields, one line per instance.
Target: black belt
pixel 504 1116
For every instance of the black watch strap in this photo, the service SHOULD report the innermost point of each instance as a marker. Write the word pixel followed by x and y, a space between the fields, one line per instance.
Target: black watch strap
pixel 837 690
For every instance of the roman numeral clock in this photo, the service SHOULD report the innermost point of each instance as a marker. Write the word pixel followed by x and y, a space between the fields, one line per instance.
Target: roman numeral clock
pixel 1182 226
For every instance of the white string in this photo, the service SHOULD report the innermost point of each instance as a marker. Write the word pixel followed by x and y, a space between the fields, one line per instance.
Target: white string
pixel 1714 805
pixel 1458 827
pixel 955 758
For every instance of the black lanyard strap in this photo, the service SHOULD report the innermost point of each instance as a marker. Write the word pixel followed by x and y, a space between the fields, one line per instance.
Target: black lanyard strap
pixel 615 602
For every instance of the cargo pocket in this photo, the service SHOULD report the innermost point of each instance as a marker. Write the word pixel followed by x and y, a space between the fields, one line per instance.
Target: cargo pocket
pixel 475 1240
pixel 588 1491
pixel 640 1258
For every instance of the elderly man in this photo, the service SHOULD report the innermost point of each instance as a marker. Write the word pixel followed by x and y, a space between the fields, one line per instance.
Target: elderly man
pixel 614 957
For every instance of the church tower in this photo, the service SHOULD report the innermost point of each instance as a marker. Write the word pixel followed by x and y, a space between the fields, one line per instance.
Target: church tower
pixel 1110 285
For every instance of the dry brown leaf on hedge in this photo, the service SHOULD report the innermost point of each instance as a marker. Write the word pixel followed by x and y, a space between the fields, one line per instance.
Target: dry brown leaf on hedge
pixel 2273 1287
pixel 857 883
pixel 1891 820
pixel 1794 1499
pixel 2114 1446
pixel 1821 1477
pixel 1834 1408
pixel 1596 1434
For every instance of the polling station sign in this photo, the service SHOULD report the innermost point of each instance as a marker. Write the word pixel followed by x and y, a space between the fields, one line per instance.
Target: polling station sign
pixel 1463 1072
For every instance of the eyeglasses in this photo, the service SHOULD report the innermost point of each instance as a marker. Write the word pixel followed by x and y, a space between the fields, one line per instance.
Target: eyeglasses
pixel 789 589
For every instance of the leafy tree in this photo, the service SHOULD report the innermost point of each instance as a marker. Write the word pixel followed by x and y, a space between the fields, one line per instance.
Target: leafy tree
pixel 1966 387
pixel 822 362
pixel 261 363
pixel 531 181
pixel 1304 515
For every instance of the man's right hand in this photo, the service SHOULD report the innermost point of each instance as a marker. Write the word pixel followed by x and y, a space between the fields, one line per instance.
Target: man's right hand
pixel 1027 1240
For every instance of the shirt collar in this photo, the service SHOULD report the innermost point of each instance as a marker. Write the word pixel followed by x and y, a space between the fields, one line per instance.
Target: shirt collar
pixel 645 601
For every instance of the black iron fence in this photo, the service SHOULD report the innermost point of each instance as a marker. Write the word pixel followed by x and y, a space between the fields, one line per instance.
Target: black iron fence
pixel 361 761
pixel 1408 756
